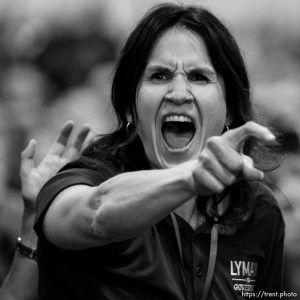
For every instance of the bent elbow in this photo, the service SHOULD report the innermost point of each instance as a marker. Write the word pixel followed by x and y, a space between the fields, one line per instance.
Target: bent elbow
pixel 97 227
pixel 100 224
pixel 106 225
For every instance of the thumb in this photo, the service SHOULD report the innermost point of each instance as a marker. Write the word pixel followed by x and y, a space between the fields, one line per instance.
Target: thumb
pixel 238 136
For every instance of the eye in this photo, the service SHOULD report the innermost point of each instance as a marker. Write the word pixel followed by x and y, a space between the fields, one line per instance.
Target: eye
pixel 159 76
pixel 198 76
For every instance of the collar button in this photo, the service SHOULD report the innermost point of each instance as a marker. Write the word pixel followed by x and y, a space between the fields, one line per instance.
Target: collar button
pixel 199 271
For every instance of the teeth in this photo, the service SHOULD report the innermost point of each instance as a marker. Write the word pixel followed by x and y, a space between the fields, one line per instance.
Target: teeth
pixel 178 118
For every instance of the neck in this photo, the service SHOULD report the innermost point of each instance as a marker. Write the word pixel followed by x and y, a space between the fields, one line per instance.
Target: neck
pixel 189 212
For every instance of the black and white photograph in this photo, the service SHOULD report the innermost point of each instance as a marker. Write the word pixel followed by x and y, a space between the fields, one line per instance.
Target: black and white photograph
pixel 149 150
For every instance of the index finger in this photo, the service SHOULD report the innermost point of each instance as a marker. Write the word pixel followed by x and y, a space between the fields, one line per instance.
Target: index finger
pixel 236 137
pixel 78 142
pixel 59 145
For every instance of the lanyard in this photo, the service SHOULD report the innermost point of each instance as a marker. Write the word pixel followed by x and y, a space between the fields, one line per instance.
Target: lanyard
pixel 212 256
pixel 178 239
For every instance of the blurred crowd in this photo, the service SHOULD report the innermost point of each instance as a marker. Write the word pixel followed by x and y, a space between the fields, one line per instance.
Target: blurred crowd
pixel 56 58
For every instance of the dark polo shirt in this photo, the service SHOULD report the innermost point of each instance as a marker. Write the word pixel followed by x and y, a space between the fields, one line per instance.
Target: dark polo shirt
pixel 249 257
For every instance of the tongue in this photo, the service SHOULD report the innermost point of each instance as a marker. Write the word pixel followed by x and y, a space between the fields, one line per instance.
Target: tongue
pixel 177 141
pixel 177 135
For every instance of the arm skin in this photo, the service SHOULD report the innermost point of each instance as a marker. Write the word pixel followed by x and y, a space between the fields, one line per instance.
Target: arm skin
pixel 82 217
pixel 22 279
pixel 21 283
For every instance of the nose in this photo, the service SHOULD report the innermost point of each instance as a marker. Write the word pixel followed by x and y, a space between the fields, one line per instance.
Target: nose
pixel 179 91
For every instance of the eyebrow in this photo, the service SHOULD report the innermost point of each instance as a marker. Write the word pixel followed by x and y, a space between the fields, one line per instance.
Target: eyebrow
pixel 162 68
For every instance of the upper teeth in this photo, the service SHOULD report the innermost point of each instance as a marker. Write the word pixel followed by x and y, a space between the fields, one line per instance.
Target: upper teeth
pixel 177 118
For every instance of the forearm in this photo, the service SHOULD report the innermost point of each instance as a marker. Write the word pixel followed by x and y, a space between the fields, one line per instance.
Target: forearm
pixel 21 283
pixel 83 217
pixel 131 202
pixel 28 235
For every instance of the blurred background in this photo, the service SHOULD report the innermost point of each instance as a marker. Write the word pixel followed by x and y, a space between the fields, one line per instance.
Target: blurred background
pixel 56 61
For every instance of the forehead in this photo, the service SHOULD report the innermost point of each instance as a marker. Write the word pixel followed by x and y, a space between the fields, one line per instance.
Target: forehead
pixel 179 44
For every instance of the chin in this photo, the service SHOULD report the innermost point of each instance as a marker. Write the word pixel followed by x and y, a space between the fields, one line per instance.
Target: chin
pixel 167 158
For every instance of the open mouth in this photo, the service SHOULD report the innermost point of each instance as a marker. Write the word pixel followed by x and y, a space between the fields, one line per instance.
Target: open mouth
pixel 178 131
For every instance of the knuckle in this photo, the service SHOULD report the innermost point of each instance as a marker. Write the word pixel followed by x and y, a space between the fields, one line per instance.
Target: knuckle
pixel 219 188
pixel 205 160
pixel 250 126
pixel 217 146
pixel 230 179
pixel 238 166
pixel 248 161
pixel 220 149
pixel 203 156
pixel 213 141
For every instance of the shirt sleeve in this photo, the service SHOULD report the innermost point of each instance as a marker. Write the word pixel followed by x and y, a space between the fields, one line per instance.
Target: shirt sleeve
pixel 57 184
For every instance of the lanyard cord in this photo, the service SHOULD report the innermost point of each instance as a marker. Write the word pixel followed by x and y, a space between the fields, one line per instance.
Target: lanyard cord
pixel 212 255
pixel 212 260
pixel 178 239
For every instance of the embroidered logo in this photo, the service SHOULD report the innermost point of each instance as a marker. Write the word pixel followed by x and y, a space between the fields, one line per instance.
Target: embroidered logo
pixel 243 275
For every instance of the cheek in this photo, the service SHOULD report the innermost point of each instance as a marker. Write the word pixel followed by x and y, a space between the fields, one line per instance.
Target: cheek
pixel 216 111
pixel 216 121
pixel 148 100
pixel 147 105
pixel 212 105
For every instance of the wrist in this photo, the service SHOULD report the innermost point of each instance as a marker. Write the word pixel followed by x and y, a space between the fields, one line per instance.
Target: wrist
pixel 28 234
pixel 25 250
pixel 29 203
pixel 186 173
